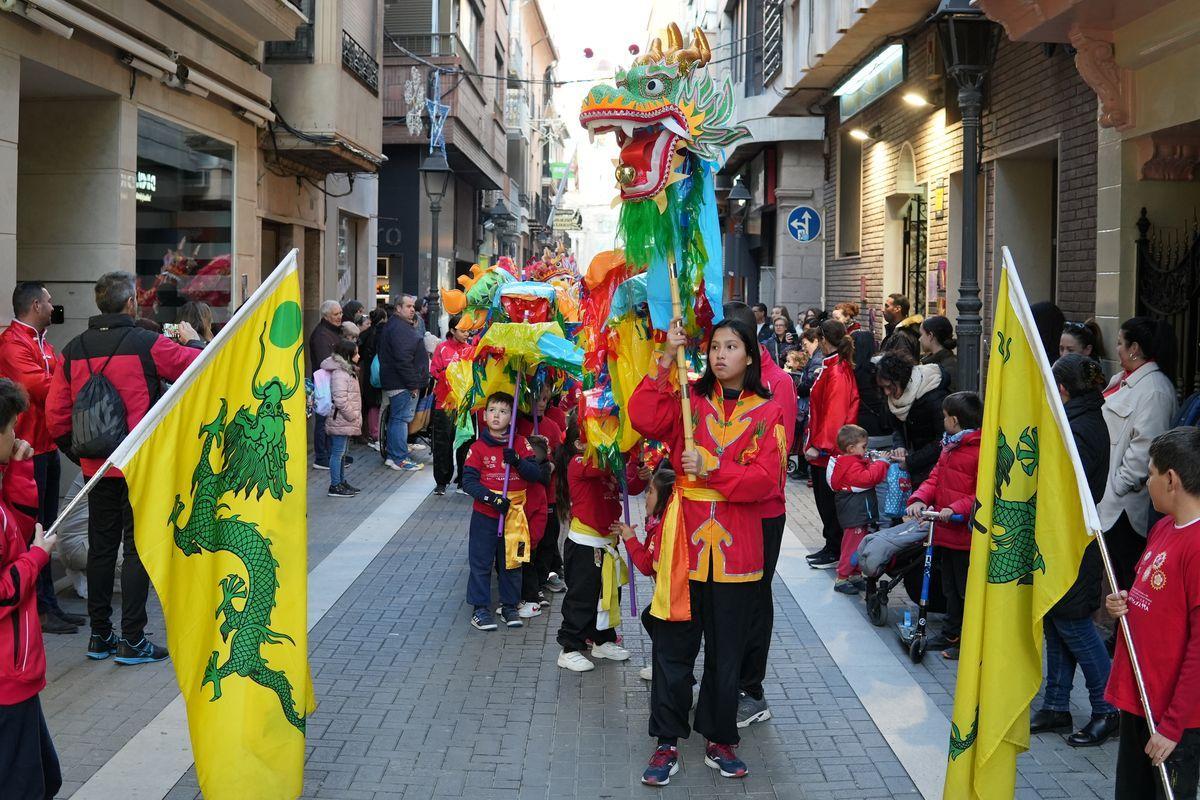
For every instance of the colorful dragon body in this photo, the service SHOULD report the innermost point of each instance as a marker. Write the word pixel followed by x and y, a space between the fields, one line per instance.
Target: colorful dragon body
pixel 254 459
pixel 671 122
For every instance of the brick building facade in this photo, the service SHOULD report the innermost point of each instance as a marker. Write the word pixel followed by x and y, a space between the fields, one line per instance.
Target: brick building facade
pixel 1037 184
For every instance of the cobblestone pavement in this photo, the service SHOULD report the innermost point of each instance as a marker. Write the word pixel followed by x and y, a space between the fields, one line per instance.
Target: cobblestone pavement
pixel 94 708
pixel 414 703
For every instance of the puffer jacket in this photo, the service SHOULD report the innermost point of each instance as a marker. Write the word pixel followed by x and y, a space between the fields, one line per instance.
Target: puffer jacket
pixel 951 485
pixel 346 419
pixel 833 403
pixel 854 479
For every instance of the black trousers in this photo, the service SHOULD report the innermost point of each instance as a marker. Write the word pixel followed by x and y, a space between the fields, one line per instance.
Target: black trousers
pixel 1125 548
pixel 28 760
pixel 445 457
pixel 955 564
pixel 546 557
pixel 831 529
pixel 721 615
pixel 1138 779
pixel 758 638
pixel 110 527
pixel 579 603
pixel 47 472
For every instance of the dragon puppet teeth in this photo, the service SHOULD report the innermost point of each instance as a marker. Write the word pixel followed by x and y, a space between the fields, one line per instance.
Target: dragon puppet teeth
pixel 670 123
pixel 628 128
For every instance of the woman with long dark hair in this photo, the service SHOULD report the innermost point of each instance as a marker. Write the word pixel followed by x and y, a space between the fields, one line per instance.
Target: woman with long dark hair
pixel 870 399
pixel 915 393
pixel 1139 404
pixel 938 345
pixel 1071 637
pixel 1083 338
pixel 832 403
pixel 711 551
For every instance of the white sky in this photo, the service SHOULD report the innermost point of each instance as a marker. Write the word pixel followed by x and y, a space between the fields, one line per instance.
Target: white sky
pixel 608 28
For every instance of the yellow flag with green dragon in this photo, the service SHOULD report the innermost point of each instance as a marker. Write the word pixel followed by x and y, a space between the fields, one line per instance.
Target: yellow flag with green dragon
pixel 1033 518
pixel 217 484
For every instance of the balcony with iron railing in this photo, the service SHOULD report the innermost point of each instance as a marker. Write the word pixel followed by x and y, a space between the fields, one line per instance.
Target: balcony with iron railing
pixel 517 116
pixel 360 63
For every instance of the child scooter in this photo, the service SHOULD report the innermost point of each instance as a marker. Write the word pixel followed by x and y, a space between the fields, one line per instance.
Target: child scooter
pixel 913 637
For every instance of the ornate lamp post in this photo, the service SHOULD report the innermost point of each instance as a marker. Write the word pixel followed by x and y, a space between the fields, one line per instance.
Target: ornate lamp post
pixel 969 41
pixel 435 175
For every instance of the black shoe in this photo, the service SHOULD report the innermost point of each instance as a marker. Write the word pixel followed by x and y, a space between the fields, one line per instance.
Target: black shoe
pixel 355 489
pixel 1044 720
pixel 74 619
pixel 1098 730
pixel 339 491
pixel 144 652
pixel 100 648
pixel 824 551
pixel 439 490
pixel 54 624
pixel 348 460
pixel 827 561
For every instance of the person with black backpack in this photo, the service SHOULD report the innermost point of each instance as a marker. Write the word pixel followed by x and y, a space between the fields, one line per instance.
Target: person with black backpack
pixel 111 375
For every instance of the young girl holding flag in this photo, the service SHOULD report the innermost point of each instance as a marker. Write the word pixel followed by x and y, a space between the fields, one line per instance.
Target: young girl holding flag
pixel 711 549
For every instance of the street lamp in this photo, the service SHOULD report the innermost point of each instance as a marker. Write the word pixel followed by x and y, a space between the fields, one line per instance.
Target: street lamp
pixel 739 208
pixel 435 175
pixel 969 41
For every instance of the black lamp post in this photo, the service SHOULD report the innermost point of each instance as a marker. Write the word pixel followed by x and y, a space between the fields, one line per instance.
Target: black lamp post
pixel 435 175
pixel 969 42
pixel 739 207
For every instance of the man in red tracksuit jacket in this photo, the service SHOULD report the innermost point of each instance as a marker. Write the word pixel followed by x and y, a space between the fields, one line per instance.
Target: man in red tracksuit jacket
pixel 27 359
pixel 135 361
pixel 28 763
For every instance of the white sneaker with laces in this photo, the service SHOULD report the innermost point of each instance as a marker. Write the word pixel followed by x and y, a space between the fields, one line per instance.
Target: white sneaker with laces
pixel 574 661
pixel 393 465
pixel 527 609
pixel 610 650
pixel 646 673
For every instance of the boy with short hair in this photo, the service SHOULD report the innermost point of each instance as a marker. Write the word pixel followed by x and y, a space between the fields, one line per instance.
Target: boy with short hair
pixel 853 477
pixel 483 479
pixel 1163 611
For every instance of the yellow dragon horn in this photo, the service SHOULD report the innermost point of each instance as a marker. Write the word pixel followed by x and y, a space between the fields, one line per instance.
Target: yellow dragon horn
pixel 674 39
pixel 697 55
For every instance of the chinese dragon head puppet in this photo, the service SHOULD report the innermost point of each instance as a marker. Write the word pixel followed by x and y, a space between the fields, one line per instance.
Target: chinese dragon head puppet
pixel 671 121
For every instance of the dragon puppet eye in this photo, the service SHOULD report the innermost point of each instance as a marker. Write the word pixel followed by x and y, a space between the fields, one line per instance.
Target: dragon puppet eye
pixel 654 86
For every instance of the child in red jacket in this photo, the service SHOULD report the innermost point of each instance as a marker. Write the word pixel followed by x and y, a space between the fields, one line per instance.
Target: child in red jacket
pixel 950 490
pixel 642 554
pixel 28 761
pixel 853 477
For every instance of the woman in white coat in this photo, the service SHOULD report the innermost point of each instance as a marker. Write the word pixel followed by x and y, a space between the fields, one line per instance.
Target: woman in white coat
pixel 1139 404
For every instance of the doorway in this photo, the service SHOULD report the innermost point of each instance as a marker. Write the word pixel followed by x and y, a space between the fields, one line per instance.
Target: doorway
pixel 915 256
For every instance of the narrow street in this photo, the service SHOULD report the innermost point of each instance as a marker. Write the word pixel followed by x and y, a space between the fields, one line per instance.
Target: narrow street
pixel 414 703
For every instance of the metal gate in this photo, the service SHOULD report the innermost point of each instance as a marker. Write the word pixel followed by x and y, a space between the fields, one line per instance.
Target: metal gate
pixel 1168 288
pixel 916 233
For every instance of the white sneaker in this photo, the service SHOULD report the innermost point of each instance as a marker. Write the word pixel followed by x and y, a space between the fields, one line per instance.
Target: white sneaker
pixel 527 610
pixel 374 445
pixel 646 673
pixel 393 465
pixel 610 650
pixel 420 447
pixel 574 661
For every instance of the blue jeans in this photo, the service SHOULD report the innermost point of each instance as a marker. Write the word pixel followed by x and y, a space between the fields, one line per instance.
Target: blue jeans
pixel 320 441
pixel 484 550
pixel 402 408
pixel 337 459
pixel 1070 642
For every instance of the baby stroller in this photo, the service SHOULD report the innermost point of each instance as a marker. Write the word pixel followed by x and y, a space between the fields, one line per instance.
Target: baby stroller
pixel 894 556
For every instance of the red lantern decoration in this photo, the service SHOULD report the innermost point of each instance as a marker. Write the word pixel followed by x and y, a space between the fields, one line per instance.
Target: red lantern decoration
pixel 587 52
pixel 634 49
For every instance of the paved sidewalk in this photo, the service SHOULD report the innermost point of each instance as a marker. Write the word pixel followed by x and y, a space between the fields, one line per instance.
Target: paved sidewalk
pixel 1051 768
pixel 94 708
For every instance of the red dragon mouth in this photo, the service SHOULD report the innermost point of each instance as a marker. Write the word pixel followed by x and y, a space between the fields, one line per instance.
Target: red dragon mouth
pixel 647 140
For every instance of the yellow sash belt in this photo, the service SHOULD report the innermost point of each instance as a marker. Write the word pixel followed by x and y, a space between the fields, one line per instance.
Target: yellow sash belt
pixel 516 532
pixel 613 572
pixel 672 596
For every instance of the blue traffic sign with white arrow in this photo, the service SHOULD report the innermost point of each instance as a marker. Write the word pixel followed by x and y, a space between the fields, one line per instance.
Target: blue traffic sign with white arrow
pixel 804 223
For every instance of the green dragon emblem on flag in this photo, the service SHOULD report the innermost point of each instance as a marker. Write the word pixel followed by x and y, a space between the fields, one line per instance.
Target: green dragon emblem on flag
pixel 253 458
pixel 1015 553
pixel 960 744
